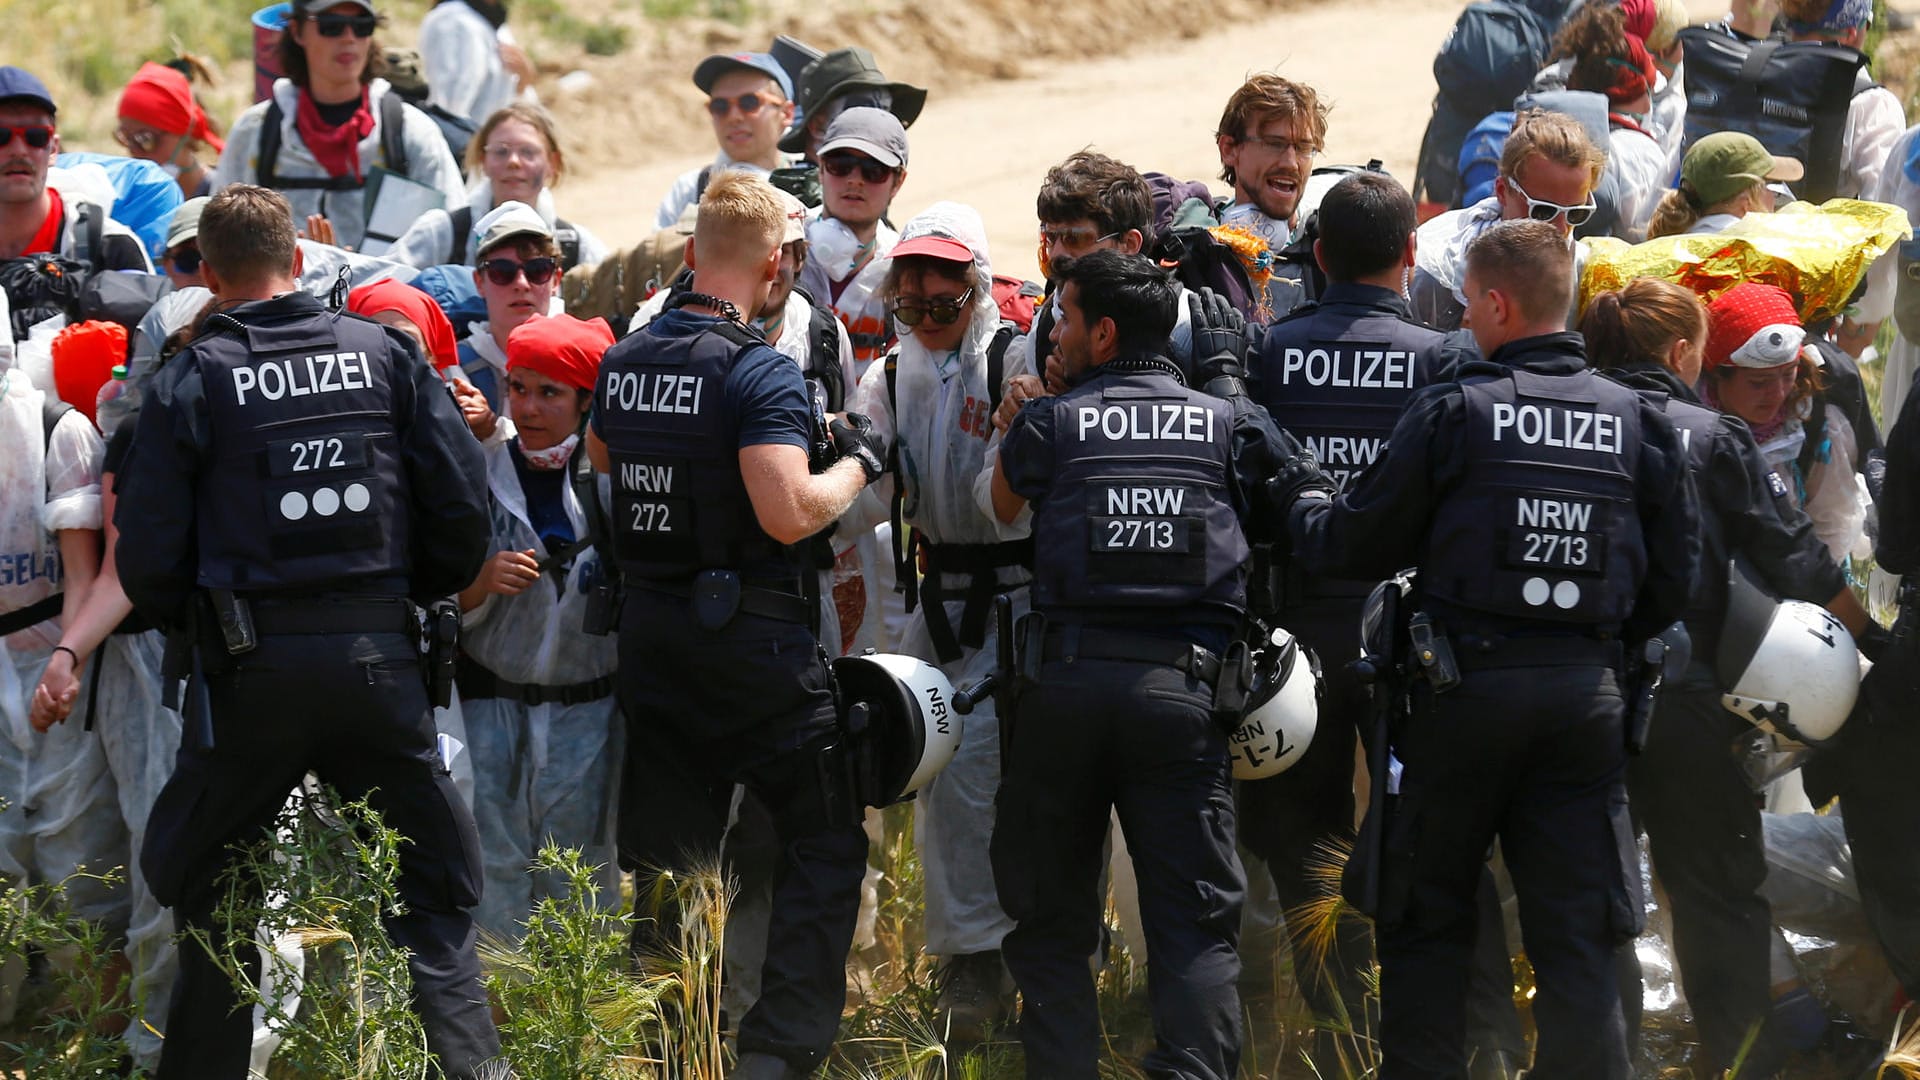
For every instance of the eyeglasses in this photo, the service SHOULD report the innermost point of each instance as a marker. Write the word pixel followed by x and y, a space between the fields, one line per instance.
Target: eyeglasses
pixel 503 271
pixel 185 259
pixel 1542 210
pixel 143 140
pixel 1300 147
pixel 34 135
pixel 941 312
pixel 334 24
pixel 1071 238
pixel 748 104
pixel 522 152
pixel 842 165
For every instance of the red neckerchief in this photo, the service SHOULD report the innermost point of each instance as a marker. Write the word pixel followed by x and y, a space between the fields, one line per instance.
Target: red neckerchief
pixel 47 240
pixel 337 149
pixel 1625 121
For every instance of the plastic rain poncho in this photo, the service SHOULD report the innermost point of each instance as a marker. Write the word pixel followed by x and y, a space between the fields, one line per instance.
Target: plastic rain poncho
pixel 542 773
pixel 939 424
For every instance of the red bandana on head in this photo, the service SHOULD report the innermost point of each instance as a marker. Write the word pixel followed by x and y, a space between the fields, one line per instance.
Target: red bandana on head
pixel 419 308
pixel 561 347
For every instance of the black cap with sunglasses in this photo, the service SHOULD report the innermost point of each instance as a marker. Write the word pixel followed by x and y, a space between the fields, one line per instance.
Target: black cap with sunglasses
pixel 330 23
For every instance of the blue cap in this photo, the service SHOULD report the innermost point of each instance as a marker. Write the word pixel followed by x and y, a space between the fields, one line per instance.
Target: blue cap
pixel 719 64
pixel 18 84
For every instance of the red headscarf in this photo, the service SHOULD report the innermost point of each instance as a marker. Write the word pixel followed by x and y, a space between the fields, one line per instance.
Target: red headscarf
pixel 561 347
pixel 1753 325
pixel 1633 77
pixel 83 359
pixel 161 98
pixel 1641 15
pixel 419 308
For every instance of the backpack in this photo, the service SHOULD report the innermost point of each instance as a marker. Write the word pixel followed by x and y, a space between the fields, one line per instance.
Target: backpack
pixel 1489 58
pixel 615 287
pixel 1792 96
pixel 1184 218
pixel 823 354
pixel 456 129
pixel 1296 262
pixel 1018 301
pixel 121 296
pixel 393 150
pixel 564 234
pixel 1479 160
pixel 38 287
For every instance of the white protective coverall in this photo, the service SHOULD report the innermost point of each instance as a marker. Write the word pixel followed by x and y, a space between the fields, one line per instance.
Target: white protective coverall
pixel 542 773
pixel 940 424
pixel 460 51
pixel 1899 184
pixel 62 811
pixel 428 161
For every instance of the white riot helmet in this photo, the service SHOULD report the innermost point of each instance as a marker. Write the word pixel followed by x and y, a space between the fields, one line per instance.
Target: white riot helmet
pixel 1283 708
pixel 1790 666
pixel 909 730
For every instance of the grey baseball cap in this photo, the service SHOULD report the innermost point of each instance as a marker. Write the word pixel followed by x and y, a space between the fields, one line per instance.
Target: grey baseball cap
pixel 876 133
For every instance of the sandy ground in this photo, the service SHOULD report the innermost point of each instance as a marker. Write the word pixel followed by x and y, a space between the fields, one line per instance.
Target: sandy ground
pixel 990 144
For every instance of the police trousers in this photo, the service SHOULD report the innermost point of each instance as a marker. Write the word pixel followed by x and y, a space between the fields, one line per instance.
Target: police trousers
pixel 1096 736
pixel 1535 757
pixel 1292 822
pixel 748 703
pixel 353 710
pixel 1703 828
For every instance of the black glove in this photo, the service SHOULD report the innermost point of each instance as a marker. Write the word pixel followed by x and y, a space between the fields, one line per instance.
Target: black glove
pixel 853 437
pixel 1874 642
pixel 1219 343
pixel 1299 478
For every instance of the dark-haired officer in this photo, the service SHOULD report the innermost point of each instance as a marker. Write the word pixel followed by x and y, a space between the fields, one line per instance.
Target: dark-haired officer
pixel 1335 374
pixel 299 479
pixel 1143 494
pixel 1553 521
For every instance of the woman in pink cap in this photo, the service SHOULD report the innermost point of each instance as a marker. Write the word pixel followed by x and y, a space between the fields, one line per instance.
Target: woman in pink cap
pixel 1760 367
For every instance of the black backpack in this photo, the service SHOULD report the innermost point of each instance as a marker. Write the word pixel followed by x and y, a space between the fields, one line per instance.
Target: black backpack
pixel 38 287
pixel 393 150
pixel 1197 258
pixel 1489 58
pixel 565 234
pixel 1792 96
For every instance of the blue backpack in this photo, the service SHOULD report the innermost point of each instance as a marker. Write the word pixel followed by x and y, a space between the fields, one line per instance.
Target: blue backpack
pixel 1480 156
pixel 1488 59
pixel 144 196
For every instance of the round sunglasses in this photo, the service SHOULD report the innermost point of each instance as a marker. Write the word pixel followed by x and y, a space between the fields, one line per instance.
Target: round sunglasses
pixel 939 312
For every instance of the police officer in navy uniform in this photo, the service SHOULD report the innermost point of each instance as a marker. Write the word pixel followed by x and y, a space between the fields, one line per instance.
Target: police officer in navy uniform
pixel 1335 374
pixel 1552 519
pixel 706 432
pixel 1143 491
pixel 299 479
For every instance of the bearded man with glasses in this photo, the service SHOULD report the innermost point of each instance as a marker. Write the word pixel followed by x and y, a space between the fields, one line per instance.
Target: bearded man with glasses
pixel 34 217
pixel 1548 170
pixel 750 101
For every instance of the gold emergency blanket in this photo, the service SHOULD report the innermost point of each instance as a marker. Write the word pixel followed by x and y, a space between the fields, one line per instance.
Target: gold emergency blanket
pixel 1820 254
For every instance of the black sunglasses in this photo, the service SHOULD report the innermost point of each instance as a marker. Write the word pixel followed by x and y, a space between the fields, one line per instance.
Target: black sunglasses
pixel 941 312
pixel 186 259
pixel 748 104
pixel 333 24
pixel 502 271
pixel 870 170
pixel 34 135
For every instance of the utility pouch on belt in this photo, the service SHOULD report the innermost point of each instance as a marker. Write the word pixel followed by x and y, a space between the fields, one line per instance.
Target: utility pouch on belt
pixel 235 617
pixel 603 609
pixel 715 599
pixel 1640 716
pixel 1235 684
pixel 1433 652
pixel 1266 584
pixel 443 650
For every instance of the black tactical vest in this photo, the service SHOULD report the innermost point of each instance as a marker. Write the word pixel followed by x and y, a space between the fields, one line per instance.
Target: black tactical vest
pixel 1696 425
pixel 679 504
pixel 1139 516
pixel 1543 525
pixel 305 486
pixel 1338 382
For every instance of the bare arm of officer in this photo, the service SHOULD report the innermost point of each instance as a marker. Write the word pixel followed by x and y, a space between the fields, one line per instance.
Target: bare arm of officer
pixel 790 502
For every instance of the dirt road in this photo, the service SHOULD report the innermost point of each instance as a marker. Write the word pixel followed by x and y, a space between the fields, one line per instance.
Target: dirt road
pixel 990 145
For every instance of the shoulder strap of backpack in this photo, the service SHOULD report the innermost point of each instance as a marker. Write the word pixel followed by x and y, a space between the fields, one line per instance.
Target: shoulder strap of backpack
pixel 393 133
pixel 1816 429
pixel 51 410
pixel 268 153
pixel 905 579
pixel 462 218
pixel 89 226
pixel 1003 336
pixel 700 183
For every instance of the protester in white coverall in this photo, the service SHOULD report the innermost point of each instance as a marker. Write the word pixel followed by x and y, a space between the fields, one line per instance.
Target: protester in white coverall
pixel 473 66
pixel 1889 292
pixel 537 689
pixel 60 807
pixel 938 417
pixel 138 734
